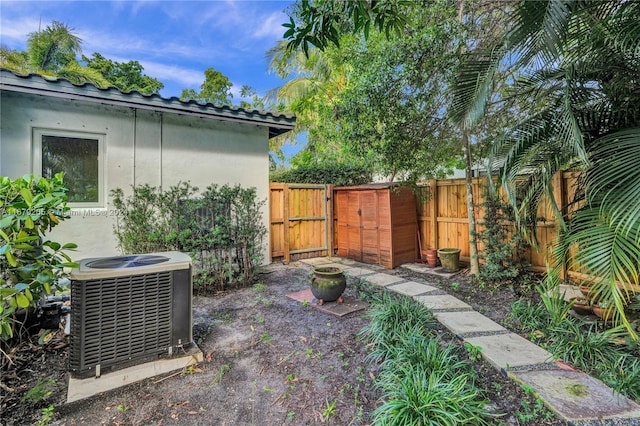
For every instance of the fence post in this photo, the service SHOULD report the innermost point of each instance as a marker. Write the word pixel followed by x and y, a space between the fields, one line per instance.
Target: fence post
pixel 434 213
pixel 329 214
pixel 285 223
pixel 559 195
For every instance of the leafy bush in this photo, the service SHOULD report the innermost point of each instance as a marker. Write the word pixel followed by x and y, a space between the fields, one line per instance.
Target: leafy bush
pixel 391 319
pixel 503 254
pixel 221 228
pixel 326 173
pixel 29 266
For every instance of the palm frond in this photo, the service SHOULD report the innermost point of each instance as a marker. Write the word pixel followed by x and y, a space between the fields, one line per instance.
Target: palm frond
pixel 609 259
pixel 614 178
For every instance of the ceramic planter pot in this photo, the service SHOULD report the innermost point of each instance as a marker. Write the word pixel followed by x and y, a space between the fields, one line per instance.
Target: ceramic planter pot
pixel 327 284
pixel 450 259
pixel 586 291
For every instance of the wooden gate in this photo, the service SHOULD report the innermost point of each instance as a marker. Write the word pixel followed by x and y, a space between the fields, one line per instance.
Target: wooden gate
pixel 301 220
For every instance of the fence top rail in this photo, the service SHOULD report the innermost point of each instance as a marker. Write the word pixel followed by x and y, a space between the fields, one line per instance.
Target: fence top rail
pixel 306 185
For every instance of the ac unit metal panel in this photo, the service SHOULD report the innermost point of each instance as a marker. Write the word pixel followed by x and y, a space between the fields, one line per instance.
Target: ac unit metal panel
pixel 120 320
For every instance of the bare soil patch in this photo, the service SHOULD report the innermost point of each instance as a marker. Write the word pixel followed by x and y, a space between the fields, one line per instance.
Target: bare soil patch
pixel 269 360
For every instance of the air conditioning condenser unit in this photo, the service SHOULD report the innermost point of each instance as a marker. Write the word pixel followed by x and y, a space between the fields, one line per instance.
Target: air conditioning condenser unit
pixel 128 310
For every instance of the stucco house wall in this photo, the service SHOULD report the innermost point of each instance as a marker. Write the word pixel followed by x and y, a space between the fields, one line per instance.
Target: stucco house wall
pixel 149 140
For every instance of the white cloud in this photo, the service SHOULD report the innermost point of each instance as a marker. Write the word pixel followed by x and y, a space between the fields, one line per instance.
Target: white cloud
pixel 184 76
pixel 16 31
pixel 271 27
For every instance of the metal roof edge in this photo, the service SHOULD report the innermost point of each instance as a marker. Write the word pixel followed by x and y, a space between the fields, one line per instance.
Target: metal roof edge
pixel 278 123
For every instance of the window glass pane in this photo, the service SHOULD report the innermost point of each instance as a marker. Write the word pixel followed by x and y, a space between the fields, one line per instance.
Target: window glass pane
pixel 78 159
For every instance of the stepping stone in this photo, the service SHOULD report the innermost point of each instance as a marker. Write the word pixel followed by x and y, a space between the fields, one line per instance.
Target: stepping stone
pixel 340 266
pixel 425 269
pixel 442 301
pixel 462 323
pixel 416 267
pixel 411 288
pixel 356 272
pixel 576 396
pixel 316 261
pixel 384 279
pixel 344 261
pixel 569 291
pixel 510 350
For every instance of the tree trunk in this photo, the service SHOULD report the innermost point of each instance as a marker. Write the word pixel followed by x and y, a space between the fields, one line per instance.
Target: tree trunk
pixel 474 266
pixel 473 245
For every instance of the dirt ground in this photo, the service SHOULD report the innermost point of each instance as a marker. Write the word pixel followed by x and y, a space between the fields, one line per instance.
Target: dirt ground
pixel 269 360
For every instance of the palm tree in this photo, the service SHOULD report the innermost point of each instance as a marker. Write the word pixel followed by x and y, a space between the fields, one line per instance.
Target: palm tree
pixel 315 79
pixel 579 63
pixel 52 52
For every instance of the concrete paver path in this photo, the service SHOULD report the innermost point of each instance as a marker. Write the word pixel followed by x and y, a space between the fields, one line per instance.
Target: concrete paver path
pixel 569 393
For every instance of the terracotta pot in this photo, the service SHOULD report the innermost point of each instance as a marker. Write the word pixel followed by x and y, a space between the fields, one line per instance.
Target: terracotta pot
pixel 581 305
pixel 432 258
pixel 586 291
pixel 605 314
pixel 328 284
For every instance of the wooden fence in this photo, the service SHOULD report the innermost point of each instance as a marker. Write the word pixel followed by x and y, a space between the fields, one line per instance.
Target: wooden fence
pixel 443 218
pixel 303 219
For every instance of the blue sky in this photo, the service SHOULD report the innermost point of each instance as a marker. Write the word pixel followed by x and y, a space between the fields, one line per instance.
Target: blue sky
pixel 175 41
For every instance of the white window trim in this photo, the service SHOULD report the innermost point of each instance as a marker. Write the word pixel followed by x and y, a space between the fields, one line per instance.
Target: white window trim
pixel 36 165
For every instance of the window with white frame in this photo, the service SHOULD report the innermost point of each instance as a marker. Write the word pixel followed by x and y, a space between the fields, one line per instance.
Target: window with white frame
pixel 79 156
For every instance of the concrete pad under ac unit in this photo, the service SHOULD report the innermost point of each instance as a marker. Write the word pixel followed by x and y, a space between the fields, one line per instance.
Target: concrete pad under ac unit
pixel 84 388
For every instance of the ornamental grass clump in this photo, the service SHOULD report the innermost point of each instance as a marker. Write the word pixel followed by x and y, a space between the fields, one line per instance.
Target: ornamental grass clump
pixel 392 318
pixel 609 354
pixel 422 380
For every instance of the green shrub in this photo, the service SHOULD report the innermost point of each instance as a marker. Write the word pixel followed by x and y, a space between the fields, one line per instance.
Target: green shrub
pixel 30 267
pixel 221 228
pixel 325 173
pixel 586 348
pixel 503 254
pixel 420 397
pixel 624 377
pixel 591 348
pixel 530 316
pixel 391 318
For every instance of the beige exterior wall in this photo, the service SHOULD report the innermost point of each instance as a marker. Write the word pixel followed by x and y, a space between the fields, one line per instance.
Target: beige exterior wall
pixel 141 146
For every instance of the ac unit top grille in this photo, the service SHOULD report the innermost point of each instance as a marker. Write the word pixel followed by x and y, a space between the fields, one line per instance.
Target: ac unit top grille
pixel 134 261
pixel 100 267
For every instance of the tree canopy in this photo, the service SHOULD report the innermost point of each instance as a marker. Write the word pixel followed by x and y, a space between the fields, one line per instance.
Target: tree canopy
pixel 571 84
pixel 54 52
pixel 126 76
pixel 216 89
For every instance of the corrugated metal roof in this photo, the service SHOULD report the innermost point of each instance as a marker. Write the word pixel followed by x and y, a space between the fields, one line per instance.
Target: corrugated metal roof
pixel 278 123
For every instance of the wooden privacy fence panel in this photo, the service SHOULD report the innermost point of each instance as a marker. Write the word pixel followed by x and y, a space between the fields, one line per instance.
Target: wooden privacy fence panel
pixel 443 218
pixel 301 223
pixel 304 223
